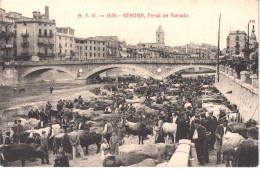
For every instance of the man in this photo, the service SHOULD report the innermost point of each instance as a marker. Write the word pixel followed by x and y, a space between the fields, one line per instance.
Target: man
pixel 159 130
pixel 62 161
pixel 7 138
pixel 75 143
pixel 19 130
pixel 1 137
pixel 113 144
pixel 199 138
pixel 108 129
pixel 131 109
pixel 30 114
pixel 42 114
pixel 51 89
pixel 212 126
pixel 221 130
pixel 107 110
pixel 181 128
pixel 192 126
pixel 48 106
pixel 36 114
pixel 247 152
pixel 44 147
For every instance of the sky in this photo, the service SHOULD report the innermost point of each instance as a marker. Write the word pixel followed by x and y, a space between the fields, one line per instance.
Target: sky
pixel 201 25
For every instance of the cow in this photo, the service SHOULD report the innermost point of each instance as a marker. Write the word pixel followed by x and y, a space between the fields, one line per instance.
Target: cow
pixel 22 90
pixel 231 141
pixel 170 130
pixel 139 129
pixel 124 159
pixel 22 151
pixel 86 138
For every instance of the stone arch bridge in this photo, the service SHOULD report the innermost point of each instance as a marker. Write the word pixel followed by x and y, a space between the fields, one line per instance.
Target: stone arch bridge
pixel 84 70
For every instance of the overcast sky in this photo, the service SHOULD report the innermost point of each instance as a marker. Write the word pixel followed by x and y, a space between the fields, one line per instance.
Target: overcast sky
pixel 201 26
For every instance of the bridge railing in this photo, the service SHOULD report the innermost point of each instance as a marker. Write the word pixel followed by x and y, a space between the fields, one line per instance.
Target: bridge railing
pixel 120 60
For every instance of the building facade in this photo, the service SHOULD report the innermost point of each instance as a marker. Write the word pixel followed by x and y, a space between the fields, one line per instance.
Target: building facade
pixel 7 37
pixel 236 42
pixel 90 48
pixel 35 37
pixel 65 42
pixel 98 47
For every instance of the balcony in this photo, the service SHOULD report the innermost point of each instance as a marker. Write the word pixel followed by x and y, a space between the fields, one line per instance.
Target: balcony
pixel 46 54
pixel 25 35
pixel 25 44
pixel 6 46
pixel 237 46
pixel 41 44
pixel 4 34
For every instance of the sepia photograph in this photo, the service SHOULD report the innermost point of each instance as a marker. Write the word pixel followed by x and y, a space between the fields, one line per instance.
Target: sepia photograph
pixel 118 83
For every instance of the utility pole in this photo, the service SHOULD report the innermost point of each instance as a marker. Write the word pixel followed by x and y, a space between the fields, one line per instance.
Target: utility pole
pixel 218 48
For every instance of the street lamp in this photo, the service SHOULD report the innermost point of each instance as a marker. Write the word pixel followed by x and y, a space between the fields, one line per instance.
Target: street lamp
pixel 253 21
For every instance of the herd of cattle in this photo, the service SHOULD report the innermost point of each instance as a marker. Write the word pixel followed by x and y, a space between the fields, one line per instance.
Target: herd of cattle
pixel 150 98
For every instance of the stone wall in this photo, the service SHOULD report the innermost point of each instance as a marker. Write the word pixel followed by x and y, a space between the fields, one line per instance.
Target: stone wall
pixel 243 92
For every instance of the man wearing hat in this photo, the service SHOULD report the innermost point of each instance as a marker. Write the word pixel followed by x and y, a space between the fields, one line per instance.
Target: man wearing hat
pixel 211 127
pixel 247 152
pixel 192 126
pixel 44 147
pixel 182 129
pixel 7 138
pixel 221 130
pixel 108 129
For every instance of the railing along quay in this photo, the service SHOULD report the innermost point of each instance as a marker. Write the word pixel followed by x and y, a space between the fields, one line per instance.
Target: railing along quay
pixel 113 61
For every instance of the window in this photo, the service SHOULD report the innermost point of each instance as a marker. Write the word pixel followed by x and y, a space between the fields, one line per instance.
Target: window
pixel 86 47
pixel 98 54
pixel 103 55
pixel 45 32
pixel 94 48
pixel 86 53
pixel 90 47
pixel 90 54
pixel 94 42
pixel 99 43
pixel 59 37
pixel 71 45
pixel 24 23
pixel 103 49
pixel 94 54
pixel 71 39
pixel 40 24
pixel 103 43
pixel 65 51
pixel 40 31
pixel 60 51
pixel 45 24
pixel 98 48
pixel 80 47
pixel 90 42
pixel 65 44
pixel 50 32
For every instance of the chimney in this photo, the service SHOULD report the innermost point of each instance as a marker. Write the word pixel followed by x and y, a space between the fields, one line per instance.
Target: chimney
pixel 47 12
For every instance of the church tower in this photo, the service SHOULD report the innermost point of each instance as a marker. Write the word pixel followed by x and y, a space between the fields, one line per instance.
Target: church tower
pixel 160 35
pixel 252 39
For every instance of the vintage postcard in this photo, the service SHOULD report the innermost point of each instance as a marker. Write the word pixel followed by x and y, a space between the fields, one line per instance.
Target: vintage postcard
pixel 140 83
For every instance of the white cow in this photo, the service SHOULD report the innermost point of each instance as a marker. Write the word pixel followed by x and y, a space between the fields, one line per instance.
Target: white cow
pixel 170 128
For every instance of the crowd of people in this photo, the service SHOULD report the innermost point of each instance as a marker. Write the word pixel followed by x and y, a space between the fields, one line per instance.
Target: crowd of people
pixel 186 112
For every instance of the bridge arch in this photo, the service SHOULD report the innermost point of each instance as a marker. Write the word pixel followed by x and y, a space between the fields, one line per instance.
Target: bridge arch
pixel 183 67
pixel 101 69
pixel 32 70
